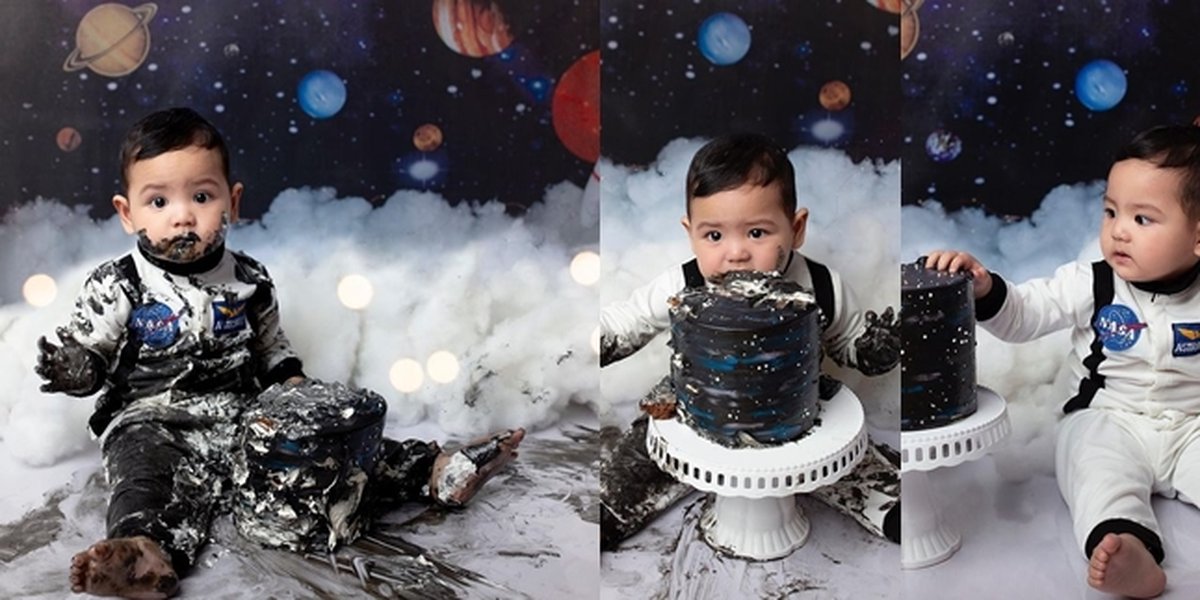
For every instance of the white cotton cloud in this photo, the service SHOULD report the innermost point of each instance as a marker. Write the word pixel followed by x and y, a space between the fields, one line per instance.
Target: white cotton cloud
pixel 852 227
pixel 1029 376
pixel 491 289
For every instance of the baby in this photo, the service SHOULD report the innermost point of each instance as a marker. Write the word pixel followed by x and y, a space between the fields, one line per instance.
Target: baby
pixel 1132 428
pixel 181 335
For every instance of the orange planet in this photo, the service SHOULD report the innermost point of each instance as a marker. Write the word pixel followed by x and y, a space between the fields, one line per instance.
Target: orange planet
pixel 892 6
pixel 575 109
pixel 910 30
pixel 834 95
pixel 68 139
pixel 112 39
pixel 475 28
pixel 427 137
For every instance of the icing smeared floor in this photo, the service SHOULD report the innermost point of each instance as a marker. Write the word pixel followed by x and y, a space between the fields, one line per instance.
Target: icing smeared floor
pixel 530 532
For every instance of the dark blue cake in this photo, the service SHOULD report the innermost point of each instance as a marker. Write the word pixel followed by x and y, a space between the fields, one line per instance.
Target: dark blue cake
pixel 937 347
pixel 306 453
pixel 747 359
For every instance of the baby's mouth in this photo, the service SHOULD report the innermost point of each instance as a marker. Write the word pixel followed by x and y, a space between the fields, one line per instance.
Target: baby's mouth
pixel 180 248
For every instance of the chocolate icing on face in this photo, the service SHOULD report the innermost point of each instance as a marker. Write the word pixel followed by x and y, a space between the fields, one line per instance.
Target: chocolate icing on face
pixel 746 360
pixel 937 359
pixel 184 248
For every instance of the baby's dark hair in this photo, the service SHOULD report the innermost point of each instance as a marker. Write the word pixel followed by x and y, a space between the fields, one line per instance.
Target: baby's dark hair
pixel 731 161
pixel 1171 147
pixel 166 130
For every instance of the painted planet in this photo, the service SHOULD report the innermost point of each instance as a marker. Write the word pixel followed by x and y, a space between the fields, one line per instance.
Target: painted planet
pixel 724 38
pixel 575 108
pixel 68 139
pixel 427 137
pixel 943 146
pixel 834 95
pixel 1006 38
pixel 475 28
pixel 1100 85
pixel 910 31
pixel 112 39
pixel 232 50
pixel 321 94
pixel 892 6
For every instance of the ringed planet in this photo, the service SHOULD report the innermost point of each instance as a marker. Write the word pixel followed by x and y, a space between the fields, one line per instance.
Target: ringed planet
pixel 112 39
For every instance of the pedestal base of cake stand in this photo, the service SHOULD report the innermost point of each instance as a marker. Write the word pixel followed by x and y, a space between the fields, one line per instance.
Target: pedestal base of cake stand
pixel 926 539
pixel 752 510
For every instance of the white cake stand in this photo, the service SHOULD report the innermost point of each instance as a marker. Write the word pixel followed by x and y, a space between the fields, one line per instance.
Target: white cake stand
pixel 753 512
pixel 925 538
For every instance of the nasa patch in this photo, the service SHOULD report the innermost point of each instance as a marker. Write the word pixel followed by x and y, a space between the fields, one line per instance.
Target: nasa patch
pixel 154 325
pixel 1186 339
pixel 228 317
pixel 1118 327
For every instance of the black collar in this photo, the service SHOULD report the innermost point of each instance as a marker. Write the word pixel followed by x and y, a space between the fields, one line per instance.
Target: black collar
pixel 203 264
pixel 1170 286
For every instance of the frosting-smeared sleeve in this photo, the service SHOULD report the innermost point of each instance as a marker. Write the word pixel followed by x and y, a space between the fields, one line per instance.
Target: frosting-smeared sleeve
pixel 845 326
pixel 275 360
pixel 101 312
pixel 626 326
pixel 1042 306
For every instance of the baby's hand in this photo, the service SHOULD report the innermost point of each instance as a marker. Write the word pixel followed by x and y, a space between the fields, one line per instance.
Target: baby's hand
pixel 878 348
pixel 954 261
pixel 70 368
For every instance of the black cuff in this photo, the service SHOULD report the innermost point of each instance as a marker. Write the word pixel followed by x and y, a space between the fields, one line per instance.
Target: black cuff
pixel 286 369
pixel 1148 538
pixel 987 306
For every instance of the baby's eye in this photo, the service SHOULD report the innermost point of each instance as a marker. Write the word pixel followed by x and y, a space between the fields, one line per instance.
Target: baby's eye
pixel 757 232
pixel 1142 220
pixel 158 202
pixel 713 236
pixel 200 197
pixel 1110 213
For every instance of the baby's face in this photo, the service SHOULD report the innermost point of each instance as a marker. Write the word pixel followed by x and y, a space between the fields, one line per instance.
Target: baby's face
pixel 1145 234
pixel 180 203
pixel 743 229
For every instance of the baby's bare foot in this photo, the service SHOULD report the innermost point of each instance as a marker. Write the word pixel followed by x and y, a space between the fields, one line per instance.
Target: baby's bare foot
pixel 457 476
pixel 1121 564
pixel 133 567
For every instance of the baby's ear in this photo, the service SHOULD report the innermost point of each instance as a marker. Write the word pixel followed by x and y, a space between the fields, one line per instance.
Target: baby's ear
pixel 235 201
pixel 121 204
pixel 799 227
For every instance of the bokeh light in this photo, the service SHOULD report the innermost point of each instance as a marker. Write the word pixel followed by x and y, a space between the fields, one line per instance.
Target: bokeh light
pixel 442 366
pixel 406 375
pixel 585 268
pixel 355 292
pixel 39 290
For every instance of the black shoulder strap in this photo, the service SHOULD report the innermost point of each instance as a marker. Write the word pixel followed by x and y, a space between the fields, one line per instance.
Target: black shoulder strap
pixel 823 289
pixel 691 274
pixel 1102 295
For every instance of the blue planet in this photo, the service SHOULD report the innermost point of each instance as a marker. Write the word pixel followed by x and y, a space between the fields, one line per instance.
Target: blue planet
pixel 321 94
pixel 724 38
pixel 943 146
pixel 1100 85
